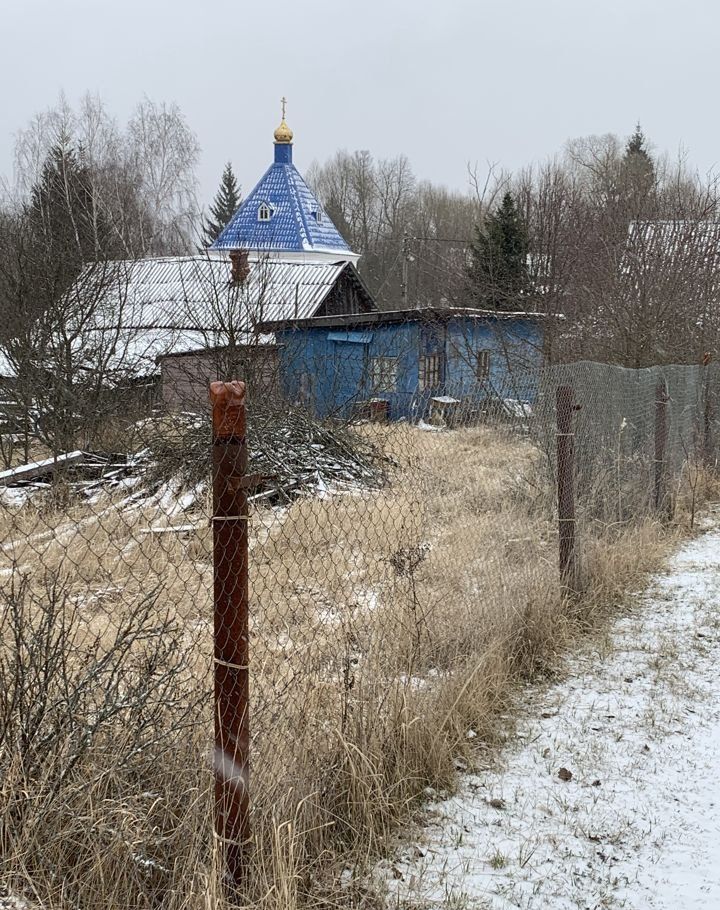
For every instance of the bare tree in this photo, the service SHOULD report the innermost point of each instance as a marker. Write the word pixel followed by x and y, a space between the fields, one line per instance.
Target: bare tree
pixel 387 215
pixel 73 366
pixel 164 153
pixel 143 176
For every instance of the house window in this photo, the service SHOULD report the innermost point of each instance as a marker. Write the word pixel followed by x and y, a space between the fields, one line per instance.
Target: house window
pixel 429 371
pixel 482 364
pixel 265 212
pixel 383 374
pixel 318 215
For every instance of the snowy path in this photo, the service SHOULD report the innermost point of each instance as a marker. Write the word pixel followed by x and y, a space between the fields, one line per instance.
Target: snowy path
pixel 638 727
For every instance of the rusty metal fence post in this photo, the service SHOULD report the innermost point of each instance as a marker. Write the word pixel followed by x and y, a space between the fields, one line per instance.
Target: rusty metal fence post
pixel 661 435
pixel 565 406
pixel 232 684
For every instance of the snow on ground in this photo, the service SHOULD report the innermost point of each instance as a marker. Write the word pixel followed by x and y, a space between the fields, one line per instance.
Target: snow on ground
pixel 609 796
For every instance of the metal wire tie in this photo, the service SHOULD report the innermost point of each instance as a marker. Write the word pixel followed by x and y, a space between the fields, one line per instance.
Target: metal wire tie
pixel 229 840
pixel 229 518
pixel 226 663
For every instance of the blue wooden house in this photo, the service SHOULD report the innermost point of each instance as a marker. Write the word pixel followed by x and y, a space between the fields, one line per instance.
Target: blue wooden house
pixel 344 357
pixel 398 362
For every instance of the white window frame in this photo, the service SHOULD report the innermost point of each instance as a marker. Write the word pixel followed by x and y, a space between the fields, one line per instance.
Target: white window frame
pixel 264 212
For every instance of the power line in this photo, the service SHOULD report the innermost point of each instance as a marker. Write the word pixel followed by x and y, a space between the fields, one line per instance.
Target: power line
pixel 428 239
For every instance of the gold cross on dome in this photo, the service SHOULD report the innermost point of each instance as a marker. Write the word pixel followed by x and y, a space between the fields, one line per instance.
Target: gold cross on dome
pixel 283 101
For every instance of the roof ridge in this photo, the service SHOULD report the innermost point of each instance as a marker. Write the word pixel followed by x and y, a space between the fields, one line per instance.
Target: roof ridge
pixel 292 172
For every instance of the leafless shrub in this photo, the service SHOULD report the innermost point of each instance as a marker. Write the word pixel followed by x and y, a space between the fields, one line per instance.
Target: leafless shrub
pixel 92 715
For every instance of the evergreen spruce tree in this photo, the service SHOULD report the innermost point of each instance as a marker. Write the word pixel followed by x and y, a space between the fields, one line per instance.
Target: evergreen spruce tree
pixel 638 168
pixel 226 202
pixel 498 271
pixel 62 229
pixel 67 226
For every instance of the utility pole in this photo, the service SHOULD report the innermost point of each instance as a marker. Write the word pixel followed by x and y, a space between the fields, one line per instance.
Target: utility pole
pixel 407 258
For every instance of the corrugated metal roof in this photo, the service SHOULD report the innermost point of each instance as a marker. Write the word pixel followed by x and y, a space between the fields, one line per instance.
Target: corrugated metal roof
pixel 296 223
pixel 674 243
pixel 149 308
pixel 196 293
pixel 170 305
pixel 673 262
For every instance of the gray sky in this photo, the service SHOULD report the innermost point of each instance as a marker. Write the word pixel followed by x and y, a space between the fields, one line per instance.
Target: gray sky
pixel 446 83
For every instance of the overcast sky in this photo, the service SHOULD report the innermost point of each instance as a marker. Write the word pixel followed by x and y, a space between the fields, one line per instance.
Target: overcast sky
pixel 445 82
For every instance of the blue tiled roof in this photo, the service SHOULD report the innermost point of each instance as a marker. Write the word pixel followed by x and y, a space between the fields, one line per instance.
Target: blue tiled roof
pixel 297 224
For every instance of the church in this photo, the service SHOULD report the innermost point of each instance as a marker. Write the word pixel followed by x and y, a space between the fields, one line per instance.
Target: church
pixel 282 218
pixel 187 320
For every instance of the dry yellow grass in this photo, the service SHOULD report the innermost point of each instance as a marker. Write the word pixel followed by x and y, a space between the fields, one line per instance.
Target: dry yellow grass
pixel 385 626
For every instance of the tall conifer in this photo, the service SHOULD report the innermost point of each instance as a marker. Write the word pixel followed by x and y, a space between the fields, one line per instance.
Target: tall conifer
pixel 498 271
pixel 224 205
pixel 638 169
pixel 67 225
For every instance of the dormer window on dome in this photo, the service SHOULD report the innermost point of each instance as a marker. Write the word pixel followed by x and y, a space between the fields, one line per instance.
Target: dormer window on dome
pixel 318 215
pixel 265 212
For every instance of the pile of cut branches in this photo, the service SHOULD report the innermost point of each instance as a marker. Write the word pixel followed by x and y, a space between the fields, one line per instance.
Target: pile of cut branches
pixel 290 449
pixel 291 452
pixel 295 451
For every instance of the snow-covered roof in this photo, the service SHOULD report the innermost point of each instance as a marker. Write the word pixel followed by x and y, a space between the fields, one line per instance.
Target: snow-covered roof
pixel 283 215
pixel 197 293
pixel 673 263
pixel 7 370
pixel 149 308
pixel 674 243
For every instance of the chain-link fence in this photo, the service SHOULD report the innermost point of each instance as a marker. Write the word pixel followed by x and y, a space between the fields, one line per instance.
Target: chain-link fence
pixel 363 593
